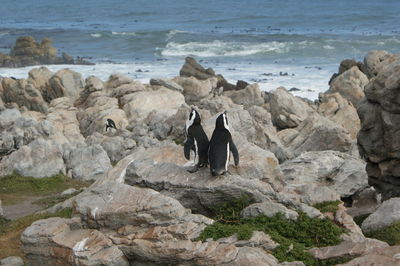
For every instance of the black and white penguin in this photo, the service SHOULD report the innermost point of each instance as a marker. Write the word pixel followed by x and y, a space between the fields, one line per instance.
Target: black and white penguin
pixel 110 124
pixel 221 144
pixel 196 140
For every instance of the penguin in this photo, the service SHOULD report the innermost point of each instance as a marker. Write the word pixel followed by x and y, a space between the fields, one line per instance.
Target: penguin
pixel 110 124
pixel 196 140
pixel 221 144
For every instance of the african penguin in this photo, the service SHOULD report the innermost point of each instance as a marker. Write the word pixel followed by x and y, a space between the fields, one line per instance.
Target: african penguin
pixel 196 140
pixel 221 144
pixel 110 124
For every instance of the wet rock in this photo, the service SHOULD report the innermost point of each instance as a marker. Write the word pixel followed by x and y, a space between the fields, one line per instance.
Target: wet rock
pixel 350 85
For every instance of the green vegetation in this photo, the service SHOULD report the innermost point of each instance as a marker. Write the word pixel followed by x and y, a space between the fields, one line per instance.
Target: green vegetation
pixel 10 231
pixel 294 237
pixel 53 200
pixel 389 234
pixel 327 206
pixel 15 188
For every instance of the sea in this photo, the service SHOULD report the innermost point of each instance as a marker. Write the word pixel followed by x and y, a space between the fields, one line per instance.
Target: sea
pixel 292 43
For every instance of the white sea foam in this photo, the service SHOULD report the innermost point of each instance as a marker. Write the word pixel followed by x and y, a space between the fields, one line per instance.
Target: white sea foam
pixel 96 35
pixel 221 48
pixel 124 33
pixel 172 33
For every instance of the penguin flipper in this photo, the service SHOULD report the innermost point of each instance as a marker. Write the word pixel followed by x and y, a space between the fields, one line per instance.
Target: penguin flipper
pixel 234 151
pixel 187 147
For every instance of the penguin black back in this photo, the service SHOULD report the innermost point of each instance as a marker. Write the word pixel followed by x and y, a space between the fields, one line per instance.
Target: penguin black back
pixel 221 144
pixel 196 140
pixel 110 124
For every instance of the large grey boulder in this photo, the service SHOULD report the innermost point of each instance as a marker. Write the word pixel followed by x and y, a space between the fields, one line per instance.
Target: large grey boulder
pixel 66 83
pixel 378 140
pixel 316 133
pixel 341 172
pixel 249 96
pixel 41 158
pixel 40 79
pixel 374 61
pixel 386 214
pixel 194 89
pixel 341 111
pixel 87 163
pixel 287 110
pixel 350 85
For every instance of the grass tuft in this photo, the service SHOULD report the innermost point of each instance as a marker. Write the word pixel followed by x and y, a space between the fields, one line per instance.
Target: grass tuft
pixel 294 237
pixel 327 206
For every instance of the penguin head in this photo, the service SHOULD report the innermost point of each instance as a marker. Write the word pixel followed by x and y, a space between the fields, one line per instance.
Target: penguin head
pixel 194 118
pixel 222 121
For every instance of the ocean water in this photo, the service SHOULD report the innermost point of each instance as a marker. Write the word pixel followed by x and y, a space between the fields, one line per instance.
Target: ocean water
pixel 288 43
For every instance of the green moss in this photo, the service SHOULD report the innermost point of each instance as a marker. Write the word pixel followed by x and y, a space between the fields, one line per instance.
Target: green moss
pixel 389 234
pixel 15 188
pixel 294 237
pixel 360 219
pixel 179 140
pixel 327 206
pixel 53 200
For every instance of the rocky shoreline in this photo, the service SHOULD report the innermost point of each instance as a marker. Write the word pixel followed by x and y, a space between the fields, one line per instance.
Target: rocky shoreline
pixel 145 208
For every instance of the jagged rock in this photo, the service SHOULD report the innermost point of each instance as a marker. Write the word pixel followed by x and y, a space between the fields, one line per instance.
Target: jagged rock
pixel 249 96
pixel 27 52
pixel 378 139
pixel 216 104
pixel 386 214
pixel 341 172
pixel 41 158
pixel 40 79
pixel 194 89
pixel 193 69
pixel 127 89
pixel 316 133
pixel 87 163
pixel 350 85
pixel 374 61
pixel 340 111
pixel 258 239
pixel 383 256
pixel 65 83
pixel 268 209
pixel 287 110
pixel 12 261
pixel 364 202
pixel 57 241
pixel 163 101
pixel 346 65
pixel 169 84
pixel 23 94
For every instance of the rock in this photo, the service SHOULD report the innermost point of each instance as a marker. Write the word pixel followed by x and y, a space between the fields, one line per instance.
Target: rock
pixel 41 158
pixel 193 69
pixel 40 79
pixel 346 65
pixel 194 89
pixel 381 256
pixel 23 94
pixel 1 210
pixel 12 261
pixel 378 139
pixel 341 172
pixel 386 214
pixel 57 241
pixel 316 133
pixel 341 111
pixel 8 117
pixel 65 83
pixel 126 89
pixel 169 84
pixel 268 209
pixel 350 85
pixel 163 101
pixel 117 147
pixel 28 52
pixel 249 96
pixel 364 202
pixel 287 110
pixel 87 163
pixel 374 60
pixel 69 191
pixel 117 80
pixel 258 239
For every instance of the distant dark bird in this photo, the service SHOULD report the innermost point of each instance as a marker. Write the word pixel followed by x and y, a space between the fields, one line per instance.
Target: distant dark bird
pixel 221 144
pixel 196 140
pixel 110 124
